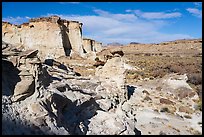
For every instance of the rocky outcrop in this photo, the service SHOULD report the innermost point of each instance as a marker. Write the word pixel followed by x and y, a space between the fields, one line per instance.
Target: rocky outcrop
pixel 98 46
pixel 28 35
pixel 113 72
pixel 48 98
pixel 90 45
pixel 58 36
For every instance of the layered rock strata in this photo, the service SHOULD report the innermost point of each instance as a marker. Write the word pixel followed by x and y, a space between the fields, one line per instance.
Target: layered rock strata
pixel 61 37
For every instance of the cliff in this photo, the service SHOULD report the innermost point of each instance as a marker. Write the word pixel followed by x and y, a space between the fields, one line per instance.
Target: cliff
pixel 91 45
pixel 58 36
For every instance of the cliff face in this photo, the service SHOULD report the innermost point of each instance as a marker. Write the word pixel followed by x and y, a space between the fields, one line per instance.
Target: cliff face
pixel 90 45
pixel 59 37
pixel 98 46
pixel 75 35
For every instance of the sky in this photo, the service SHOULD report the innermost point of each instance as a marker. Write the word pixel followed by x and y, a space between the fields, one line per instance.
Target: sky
pixel 122 22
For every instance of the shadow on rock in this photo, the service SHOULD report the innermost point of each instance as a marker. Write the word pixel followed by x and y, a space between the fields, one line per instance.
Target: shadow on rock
pixel 76 118
pixel 131 90
pixel 10 78
pixel 18 127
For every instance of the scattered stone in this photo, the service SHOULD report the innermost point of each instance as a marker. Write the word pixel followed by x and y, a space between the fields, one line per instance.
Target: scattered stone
pixel 162 133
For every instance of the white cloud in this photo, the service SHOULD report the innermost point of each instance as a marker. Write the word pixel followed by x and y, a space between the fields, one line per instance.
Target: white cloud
pixel 123 28
pixel 155 15
pixel 128 17
pixel 16 20
pixel 195 12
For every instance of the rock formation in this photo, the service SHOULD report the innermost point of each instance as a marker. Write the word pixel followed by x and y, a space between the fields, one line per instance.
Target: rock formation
pixel 113 72
pixel 61 37
pixel 49 98
pixel 90 45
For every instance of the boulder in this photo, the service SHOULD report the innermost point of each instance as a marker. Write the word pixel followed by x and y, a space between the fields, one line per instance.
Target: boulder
pixel 24 88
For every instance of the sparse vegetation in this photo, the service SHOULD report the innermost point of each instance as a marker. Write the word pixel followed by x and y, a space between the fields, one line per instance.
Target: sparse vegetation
pixel 176 69
pixel 200 105
pixel 164 109
pixel 195 78
pixel 147 54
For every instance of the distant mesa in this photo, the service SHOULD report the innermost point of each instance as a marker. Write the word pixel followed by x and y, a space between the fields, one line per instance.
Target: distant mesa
pixel 114 44
pixel 135 43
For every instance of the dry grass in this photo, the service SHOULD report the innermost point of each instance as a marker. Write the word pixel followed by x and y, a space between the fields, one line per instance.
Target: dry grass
pixel 158 66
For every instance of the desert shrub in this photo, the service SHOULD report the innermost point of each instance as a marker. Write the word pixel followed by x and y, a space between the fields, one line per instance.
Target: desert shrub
pixel 160 54
pixel 147 54
pixel 177 69
pixel 164 109
pixel 158 73
pixel 195 78
pixel 200 105
pixel 97 59
pixel 199 91
pixel 136 54
pixel 191 69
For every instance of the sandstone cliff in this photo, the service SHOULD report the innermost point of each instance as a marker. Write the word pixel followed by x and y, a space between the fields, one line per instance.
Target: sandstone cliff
pixel 61 37
pixel 90 45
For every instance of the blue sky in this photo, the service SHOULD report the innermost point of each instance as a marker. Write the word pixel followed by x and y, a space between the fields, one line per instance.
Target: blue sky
pixel 123 22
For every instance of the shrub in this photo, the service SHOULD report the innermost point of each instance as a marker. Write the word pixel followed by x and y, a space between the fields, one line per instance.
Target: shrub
pixel 199 90
pixel 195 78
pixel 97 59
pixel 177 69
pixel 158 73
pixel 164 109
pixel 200 105
pixel 191 69
pixel 147 54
